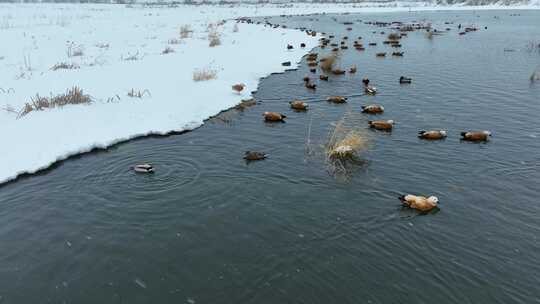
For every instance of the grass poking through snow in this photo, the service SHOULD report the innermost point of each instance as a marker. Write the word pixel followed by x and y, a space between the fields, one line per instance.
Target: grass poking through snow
pixel 73 96
pixel 204 74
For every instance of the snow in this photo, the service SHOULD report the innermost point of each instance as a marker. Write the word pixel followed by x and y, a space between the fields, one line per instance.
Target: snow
pixel 37 36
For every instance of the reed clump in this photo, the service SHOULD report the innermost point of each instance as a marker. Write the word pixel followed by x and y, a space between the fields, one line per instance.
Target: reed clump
pixel 73 96
pixel 345 143
pixel 394 36
pixel 204 74
pixel 65 66
pixel 327 62
pixel 214 37
pixel 185 31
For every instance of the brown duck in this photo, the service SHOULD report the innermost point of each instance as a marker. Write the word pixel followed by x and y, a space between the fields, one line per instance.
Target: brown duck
pixel 432 134
pixel 298 105
pixel 373 109
pixel 383 125
pixel 337 99
pixel 476 135
pixel 274 116
pixel 238 87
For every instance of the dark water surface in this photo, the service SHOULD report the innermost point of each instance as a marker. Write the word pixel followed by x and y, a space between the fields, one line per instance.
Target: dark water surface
pixel 209 228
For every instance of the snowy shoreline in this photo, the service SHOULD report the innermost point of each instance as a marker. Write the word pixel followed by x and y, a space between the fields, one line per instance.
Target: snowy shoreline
pixel 42 35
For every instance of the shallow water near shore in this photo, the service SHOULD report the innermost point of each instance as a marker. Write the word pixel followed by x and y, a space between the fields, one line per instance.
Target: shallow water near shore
pixel 208 227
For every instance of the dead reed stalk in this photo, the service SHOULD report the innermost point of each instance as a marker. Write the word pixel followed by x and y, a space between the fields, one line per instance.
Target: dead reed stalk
pixel 204 74
pixel 72 96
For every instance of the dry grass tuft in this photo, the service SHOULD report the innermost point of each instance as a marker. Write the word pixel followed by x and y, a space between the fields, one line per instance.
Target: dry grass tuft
pixel 167 50
pixel 214 37
pixel 345 141
pixel 394 36
pixel 138 93
pixel 132 57
pixel 174 41
pixel 74 50
pixel 204 74
pixel 102 45
pixel 64 66
pixel 73 96
pixel 185 31
pixel 327 62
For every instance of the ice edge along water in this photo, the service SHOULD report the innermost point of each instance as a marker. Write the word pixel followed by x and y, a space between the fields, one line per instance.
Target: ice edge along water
pixel 40 36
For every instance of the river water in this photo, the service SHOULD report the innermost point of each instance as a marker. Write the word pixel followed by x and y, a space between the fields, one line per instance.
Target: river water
pixel 208 227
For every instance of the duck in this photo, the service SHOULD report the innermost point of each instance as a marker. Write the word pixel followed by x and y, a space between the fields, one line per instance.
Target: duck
pixel 274 116
pixel 338 72
pixel 373 109
pixel 344 47
pixel 302 45
pixel 246 103
pixel 372 44
pixel 298 105
pixel 365 81
pixel 289 47
pixel 323 77
pixel 286 63
pixel 404 79
pixel 337 99
pixel 143 168
pixel 432 134
pixel 238 87
pixel 420 203
pixel 382 54
pixel 476 135
pixel 397 54
pixel 352 70
pixel 254 155
pixel 384 125
pixel 371 90
pixel 311 85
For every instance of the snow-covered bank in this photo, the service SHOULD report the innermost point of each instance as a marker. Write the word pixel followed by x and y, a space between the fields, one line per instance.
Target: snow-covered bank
pixel 36 37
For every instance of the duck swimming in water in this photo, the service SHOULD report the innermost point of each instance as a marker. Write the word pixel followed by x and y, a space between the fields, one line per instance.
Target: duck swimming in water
pixel 311 85
pixel 371 90
pixel 298 105
pixel 143 168
pixel 372 109
pixel 421 203
pixel 254 155
pixel 476 135
pixel 365 81
pixel 274 116
pixel 337 99
pixel 404 79
pixel 383 125
pixel 432 134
